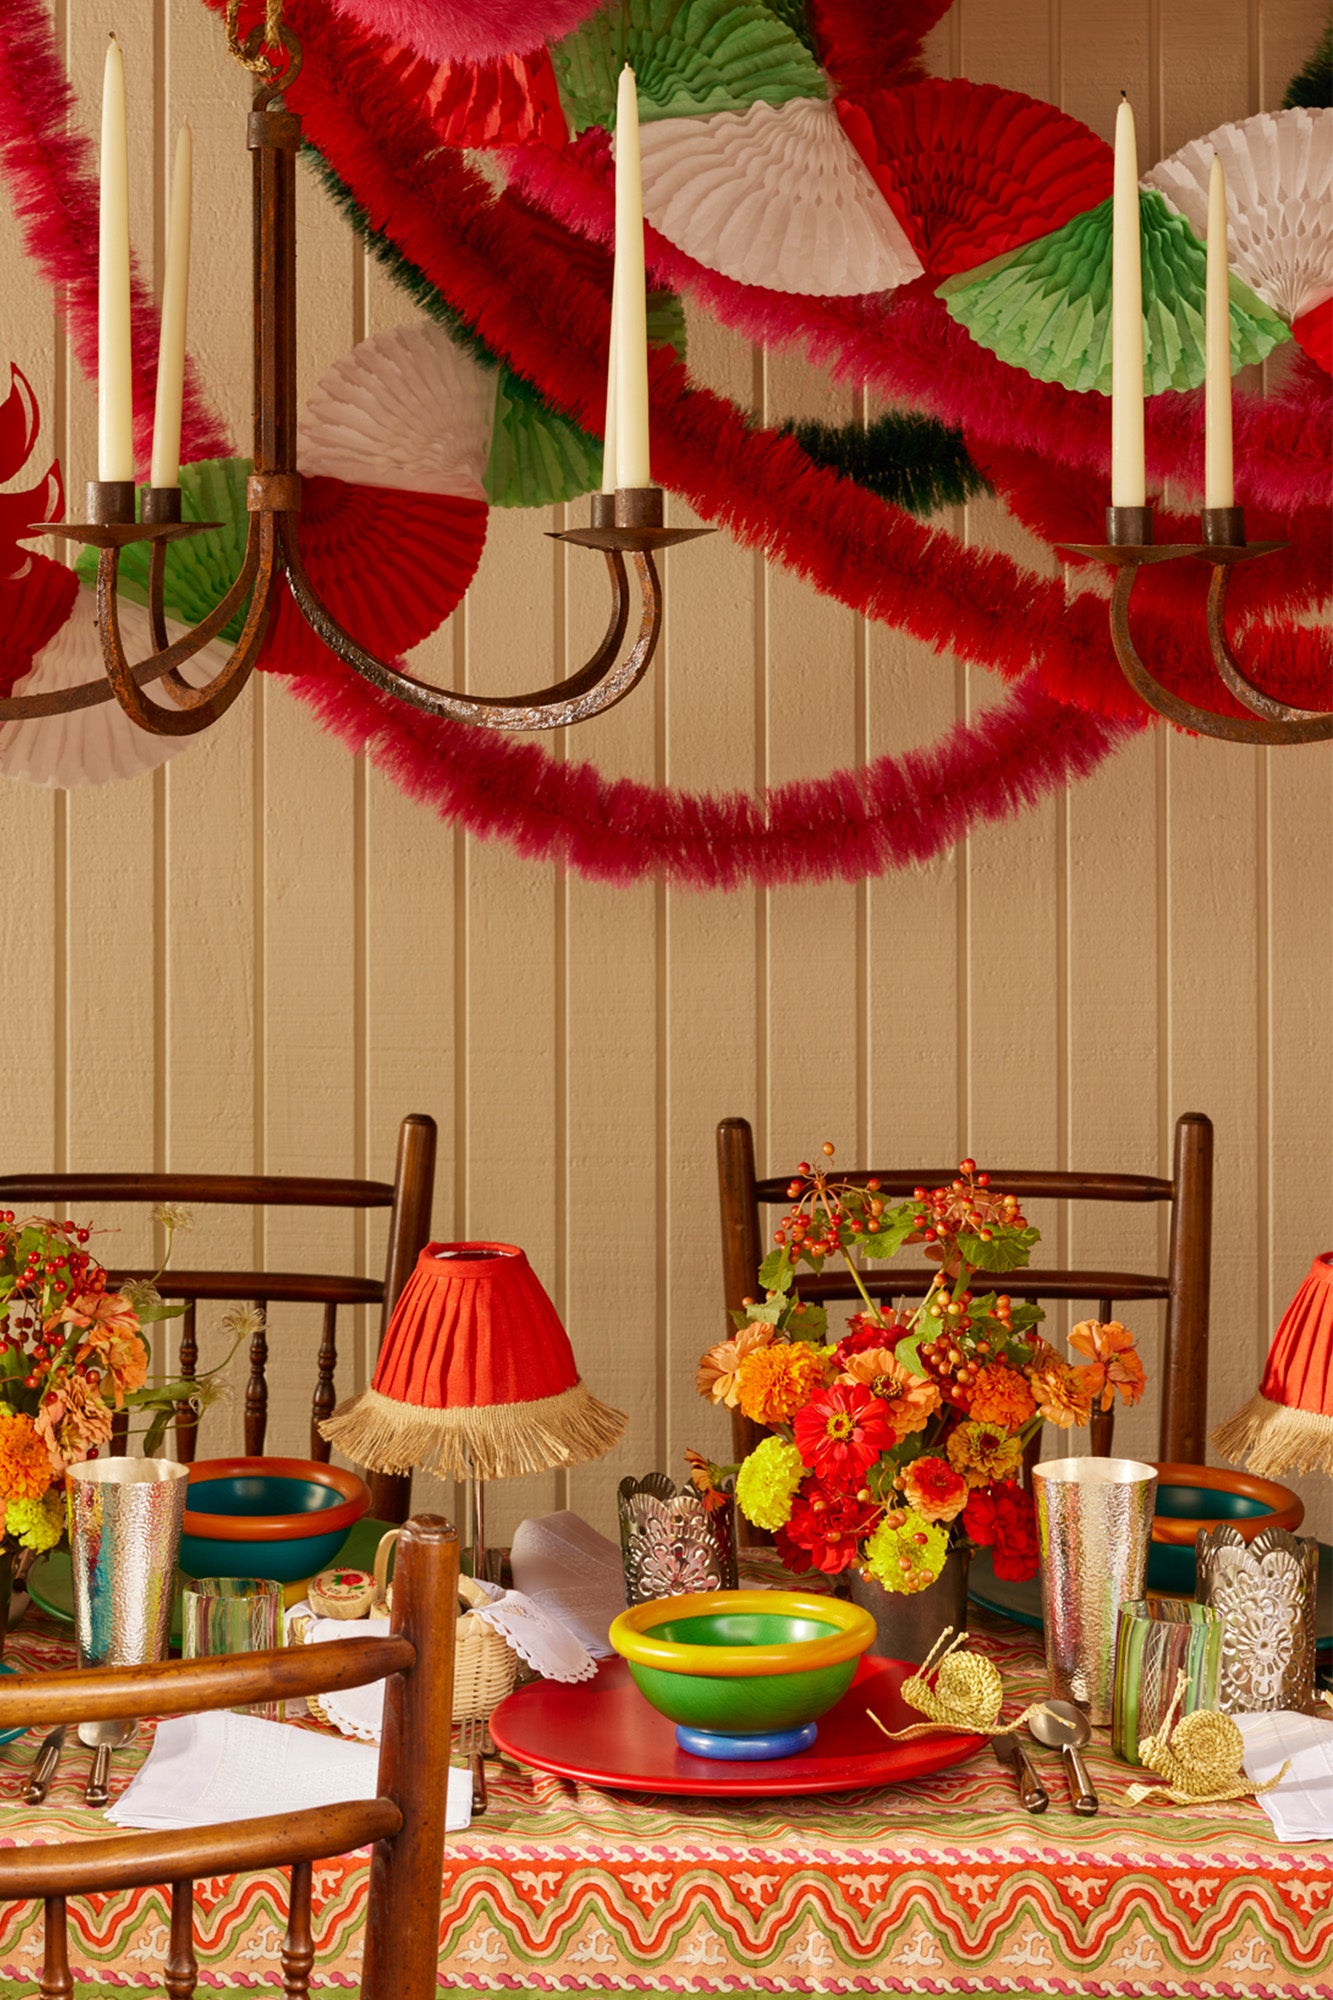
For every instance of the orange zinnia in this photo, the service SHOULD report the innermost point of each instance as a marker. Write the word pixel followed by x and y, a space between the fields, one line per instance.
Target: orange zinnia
pixel 909 1400
pixel 1001 1396
pixel 717 1371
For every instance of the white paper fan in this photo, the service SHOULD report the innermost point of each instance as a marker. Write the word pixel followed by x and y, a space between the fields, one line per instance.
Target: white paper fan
pixel 1279 175
pixel 93 746
pixel 775 195
pixel 407 409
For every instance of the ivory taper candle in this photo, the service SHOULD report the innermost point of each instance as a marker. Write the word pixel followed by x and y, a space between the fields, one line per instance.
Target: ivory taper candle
pixel 611 429
pixel 1127 474
pixel 1219 485
pixel 115 380
pixel 630 311
pixel 171 341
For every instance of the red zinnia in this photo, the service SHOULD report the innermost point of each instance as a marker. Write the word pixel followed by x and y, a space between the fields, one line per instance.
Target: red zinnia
pixel 824 1529
pixel 1015 1552
pixel 841 1431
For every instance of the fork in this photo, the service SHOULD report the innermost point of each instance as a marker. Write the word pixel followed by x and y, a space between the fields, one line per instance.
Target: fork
pixel 472 1745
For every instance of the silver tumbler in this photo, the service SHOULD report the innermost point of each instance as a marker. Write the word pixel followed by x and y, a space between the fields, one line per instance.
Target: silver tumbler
pixel 125 1531
pixel 1094 1521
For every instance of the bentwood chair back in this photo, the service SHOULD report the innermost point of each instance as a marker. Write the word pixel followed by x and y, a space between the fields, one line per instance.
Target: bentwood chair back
pixel 1183 1285
pixel 408 1199
pixel 404 1821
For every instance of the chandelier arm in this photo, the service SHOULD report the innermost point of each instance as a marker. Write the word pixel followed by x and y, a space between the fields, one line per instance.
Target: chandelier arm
pixel 1229 667
pixel 196 708
pixel 598 685
pixel 1203 721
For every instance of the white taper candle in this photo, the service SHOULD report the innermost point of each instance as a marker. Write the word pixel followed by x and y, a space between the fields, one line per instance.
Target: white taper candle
pixel 1219 485
pixel 171 341
pixel 1128 487
pixel 115 378
pixel 631 301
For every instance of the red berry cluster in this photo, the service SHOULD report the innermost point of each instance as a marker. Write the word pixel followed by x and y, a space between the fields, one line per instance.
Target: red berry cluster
pixel 965 1204
pixel 824 1209
pixel 41 1283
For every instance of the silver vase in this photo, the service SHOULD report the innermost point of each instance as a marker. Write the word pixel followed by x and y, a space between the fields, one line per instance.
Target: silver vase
pixel 671 1543
pixel 1094 1524
pixel 908 1624
pixel 125 1531
pixel 1265 1591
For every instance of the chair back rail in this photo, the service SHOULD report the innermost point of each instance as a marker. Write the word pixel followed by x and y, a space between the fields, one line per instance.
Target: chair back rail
pixel 1184 1285
pixel 408 1199
pixel 403 1824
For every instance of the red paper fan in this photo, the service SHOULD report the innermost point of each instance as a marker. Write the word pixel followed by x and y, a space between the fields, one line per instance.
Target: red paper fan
pixel 1314 331
pixel 389 566
pixel 512 101
pixel 19 423
pixel 460 31
pixel 32 611
pixel 971 170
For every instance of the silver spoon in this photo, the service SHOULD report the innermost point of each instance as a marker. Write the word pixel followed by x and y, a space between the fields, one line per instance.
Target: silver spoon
pixel 103 1738
pixel 1063 1727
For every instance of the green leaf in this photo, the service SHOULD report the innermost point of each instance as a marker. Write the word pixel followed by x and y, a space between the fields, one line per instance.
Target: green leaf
pixel 806 1322
pixel 771 1312
pixel 907 1356
pixel 1007 1250
pixel 775 1273
pixel 150 1312
pixel 155 1433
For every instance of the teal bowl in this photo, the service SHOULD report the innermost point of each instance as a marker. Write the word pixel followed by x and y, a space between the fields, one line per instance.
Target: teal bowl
pixel 284 1519
pixel 1191 1497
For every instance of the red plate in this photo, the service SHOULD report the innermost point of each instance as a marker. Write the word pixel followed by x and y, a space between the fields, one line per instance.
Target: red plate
pixel 603 1732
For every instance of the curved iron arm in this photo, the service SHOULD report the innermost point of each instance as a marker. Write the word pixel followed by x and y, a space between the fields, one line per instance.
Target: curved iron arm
pixel 1229 667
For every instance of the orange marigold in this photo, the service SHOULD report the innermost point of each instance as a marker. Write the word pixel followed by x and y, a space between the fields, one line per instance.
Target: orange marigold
pixel 1001 1396
pixel 26 1471
pixel 775 1382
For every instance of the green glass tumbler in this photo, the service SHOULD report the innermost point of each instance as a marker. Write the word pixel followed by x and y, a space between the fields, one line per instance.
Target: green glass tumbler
pixel 1156 1641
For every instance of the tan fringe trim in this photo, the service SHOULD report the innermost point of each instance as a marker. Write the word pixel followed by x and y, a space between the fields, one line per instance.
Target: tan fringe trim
pixel 497 1442
pixel 1271 1439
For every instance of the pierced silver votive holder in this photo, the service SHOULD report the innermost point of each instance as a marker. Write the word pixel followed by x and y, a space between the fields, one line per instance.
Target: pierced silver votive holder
pixel 1265 1590
pixel 671 1542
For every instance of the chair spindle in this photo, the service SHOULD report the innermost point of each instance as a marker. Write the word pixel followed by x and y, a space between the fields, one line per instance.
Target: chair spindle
pixel 1102 1427
pixel 56 1983
pixel 256 1389
pixel 326 1396
pixel 187 1423
pixel 182 1975
pixel 120 1431
pixel 298 1948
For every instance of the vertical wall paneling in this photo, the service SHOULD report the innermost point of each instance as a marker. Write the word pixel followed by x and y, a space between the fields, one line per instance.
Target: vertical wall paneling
pixel 264 955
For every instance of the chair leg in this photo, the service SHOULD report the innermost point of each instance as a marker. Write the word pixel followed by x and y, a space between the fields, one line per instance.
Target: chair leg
pixel 1184 1430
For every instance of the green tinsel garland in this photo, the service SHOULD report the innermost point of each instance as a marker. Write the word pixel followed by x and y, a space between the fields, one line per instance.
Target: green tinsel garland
pixel 909 460
pixel 1313 85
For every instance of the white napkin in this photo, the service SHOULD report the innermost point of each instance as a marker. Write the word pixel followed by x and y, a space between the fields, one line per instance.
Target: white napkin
pixel 572 1573
pixel 206 1769
pixel 1301 1807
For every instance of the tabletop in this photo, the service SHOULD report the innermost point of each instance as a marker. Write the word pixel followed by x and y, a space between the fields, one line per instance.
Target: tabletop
pixel 942 1887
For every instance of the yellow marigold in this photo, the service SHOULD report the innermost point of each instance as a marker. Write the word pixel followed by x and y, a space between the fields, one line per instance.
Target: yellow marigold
pixel 1001 1396
pixel 767 1480
pixel 775 1382
pixel 906 1552
pixel 983 1454
pixel 26 1470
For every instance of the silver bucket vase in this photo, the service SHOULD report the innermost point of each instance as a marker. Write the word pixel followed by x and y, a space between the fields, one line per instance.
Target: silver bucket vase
pixel 671 1543
pixel 908 1624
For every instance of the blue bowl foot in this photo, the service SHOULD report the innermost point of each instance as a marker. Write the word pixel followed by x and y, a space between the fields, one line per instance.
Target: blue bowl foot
pixel 748 1749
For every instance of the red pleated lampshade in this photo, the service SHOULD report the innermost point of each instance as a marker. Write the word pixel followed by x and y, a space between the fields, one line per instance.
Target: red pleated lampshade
pixel 1288 1425
pixel 475 1376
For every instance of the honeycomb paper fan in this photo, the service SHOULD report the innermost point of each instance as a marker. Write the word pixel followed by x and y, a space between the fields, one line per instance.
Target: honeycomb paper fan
pixel 691 57
pixel 775 196
pixel 1279 174
pixel 537 456
pixel 1314 332
pixel 973 171
pixel 1047 307
pixel 408 409
pixel 200 569
pixel 509 102
pixel 91 746
pixel 390 567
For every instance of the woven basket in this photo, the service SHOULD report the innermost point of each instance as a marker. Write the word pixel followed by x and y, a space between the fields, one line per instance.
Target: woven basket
pixel 485 1665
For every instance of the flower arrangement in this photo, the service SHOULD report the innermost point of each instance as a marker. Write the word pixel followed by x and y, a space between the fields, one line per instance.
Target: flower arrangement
pixel 72 1354
pixel 904 1438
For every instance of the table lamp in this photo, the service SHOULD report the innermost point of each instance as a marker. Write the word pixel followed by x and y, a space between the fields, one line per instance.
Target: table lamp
pixel 1288 1425
pixel 475 1380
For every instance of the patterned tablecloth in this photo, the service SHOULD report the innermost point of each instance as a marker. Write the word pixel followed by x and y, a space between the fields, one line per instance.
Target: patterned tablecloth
pixel 941 1887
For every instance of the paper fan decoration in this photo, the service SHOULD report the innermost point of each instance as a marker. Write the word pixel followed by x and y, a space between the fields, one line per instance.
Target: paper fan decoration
pixel 460 31
pixel 92 746
pixel 1279 175
pixel 409 408
pixel 775 196
pixel 973 171
pixel 537 456
pixel 1047 307
pixel 510 102
pixel 690 57
pixel 1314 332
pixel 200 568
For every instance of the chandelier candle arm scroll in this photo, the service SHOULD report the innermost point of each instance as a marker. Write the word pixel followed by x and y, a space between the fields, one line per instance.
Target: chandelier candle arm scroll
pixel 625 522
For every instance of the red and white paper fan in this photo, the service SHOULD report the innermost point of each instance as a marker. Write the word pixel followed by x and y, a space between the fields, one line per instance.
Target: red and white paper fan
pixel 1279 175
pixel 775 195
pixel 408 409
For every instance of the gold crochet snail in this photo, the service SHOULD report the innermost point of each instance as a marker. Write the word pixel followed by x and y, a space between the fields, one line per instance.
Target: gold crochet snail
pixel 1201 1758
pixel 967 1693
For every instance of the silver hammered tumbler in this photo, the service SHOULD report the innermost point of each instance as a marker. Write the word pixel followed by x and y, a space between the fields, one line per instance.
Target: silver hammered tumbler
pixel 125 1531
pixel 1094 1522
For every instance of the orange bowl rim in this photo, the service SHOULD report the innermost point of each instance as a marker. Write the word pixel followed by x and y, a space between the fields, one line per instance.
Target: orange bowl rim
pixel 277 1527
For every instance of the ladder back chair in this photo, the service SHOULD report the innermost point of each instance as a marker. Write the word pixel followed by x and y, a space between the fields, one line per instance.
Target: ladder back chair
pixel 1183 1285
pixel 404 1823
pixel 407 1197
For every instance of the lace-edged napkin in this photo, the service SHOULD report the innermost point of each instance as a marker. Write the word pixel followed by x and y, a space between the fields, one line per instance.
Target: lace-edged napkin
pixel 574 1574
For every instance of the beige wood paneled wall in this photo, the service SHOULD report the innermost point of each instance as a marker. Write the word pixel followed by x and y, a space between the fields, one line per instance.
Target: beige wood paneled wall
pixel 262 955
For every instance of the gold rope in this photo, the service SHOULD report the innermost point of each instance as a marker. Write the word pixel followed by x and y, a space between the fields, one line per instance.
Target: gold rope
pixel 968 1693
pixel 272 38
pixel 1200 1757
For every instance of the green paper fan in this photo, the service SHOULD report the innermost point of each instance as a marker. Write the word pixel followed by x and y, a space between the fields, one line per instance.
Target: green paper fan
pixel 539 456
pixel 690 57
pixel 201 568
pixel 1047 307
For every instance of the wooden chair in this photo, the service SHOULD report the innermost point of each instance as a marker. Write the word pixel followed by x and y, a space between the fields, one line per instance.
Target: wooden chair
pixel 405 1821
pixel 407 1197
pixel 1184 1284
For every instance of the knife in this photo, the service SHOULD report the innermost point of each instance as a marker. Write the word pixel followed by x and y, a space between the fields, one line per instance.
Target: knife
pixel 1032 1793
pixel 44 1767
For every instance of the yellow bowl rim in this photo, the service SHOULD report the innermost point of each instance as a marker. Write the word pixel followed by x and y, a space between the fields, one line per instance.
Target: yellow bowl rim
pixel 854 1630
